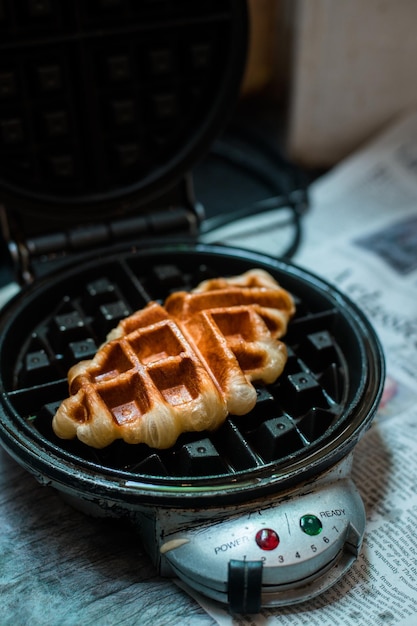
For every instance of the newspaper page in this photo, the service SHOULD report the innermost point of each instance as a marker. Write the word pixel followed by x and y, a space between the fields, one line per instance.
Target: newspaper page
pixel 361 235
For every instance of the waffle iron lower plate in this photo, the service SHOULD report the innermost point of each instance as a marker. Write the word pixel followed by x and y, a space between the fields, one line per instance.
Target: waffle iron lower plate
pixel 309 419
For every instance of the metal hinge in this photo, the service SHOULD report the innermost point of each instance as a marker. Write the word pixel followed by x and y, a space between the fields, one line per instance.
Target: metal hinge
pixel 37 255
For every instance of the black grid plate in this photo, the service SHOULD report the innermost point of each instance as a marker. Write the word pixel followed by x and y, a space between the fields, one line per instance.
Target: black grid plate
pixel 109 99
pixel 314 412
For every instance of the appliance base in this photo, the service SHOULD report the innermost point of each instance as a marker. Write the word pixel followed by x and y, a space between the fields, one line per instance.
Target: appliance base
pixel 270 552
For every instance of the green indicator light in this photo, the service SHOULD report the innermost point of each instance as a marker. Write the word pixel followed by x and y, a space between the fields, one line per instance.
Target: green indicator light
pixel 311 525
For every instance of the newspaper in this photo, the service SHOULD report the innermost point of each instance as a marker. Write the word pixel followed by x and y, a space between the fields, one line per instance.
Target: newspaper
pixel 361 235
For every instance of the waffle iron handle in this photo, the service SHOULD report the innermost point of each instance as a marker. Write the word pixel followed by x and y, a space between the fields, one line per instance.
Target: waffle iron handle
pixel 244 586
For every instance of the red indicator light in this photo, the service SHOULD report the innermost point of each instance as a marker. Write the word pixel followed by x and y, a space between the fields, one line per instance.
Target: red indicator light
pixel 267 539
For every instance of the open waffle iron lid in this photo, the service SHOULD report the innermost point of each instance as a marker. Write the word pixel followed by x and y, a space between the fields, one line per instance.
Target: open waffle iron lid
pixel 106 105
pixel 302 424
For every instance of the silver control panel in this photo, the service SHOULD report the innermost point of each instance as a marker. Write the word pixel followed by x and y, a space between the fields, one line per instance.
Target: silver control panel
pixel 282 552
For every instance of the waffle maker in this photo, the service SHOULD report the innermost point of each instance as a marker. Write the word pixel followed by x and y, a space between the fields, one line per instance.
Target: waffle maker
pixel 104 107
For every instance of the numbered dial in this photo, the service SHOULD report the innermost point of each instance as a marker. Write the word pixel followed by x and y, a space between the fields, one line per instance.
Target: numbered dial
pixel 306 545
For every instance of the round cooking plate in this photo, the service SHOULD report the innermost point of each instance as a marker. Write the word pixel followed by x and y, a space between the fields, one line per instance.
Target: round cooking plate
pixel 105 105
pixel 308 420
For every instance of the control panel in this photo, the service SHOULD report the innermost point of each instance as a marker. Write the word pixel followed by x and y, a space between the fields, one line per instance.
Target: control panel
pixel 281 553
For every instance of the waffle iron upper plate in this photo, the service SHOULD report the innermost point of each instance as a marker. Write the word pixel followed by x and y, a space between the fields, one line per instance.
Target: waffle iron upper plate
pixel 106 104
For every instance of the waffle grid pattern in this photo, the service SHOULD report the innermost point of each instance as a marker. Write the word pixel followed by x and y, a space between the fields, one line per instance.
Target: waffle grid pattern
pixel 289 417
pixel 98 95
